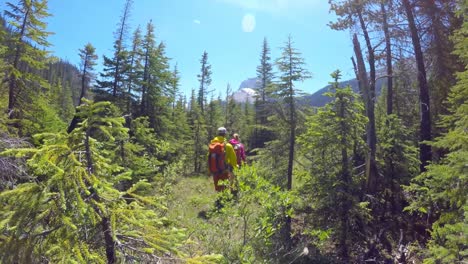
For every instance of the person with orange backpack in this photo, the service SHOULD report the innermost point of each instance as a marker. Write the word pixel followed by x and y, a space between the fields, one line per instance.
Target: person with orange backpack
pixel 221 159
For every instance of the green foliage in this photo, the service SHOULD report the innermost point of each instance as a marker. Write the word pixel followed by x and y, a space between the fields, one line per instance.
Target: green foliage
pixel 57 216
pixel 199 135
pixel 28 40
pixel 330 187
pixel 214 117
pixel 205 81
pixel 441 190
pixel 247 228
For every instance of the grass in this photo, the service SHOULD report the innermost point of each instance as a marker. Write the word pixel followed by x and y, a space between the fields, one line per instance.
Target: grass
pixel 191 195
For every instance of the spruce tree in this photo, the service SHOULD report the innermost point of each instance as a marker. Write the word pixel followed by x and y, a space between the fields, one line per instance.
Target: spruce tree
pixel 148 46
pixel 199 135
pixel 265 78
pixel 205 80
pixel 29 37
pixel 292 69
pixel 159 81
pixel 70 210
pixel 112 83
pixel 332 136
pixel 425 125
pixel 88 61
pixel 440 192
pixel 135 70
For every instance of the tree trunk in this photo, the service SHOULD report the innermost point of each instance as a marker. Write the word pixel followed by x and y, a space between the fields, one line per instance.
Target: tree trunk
pixel 344 183
pixel 105 222
pixel 388 49
pixel 145 83
pixel 368 95
pixel 425 153
pixel 109 240
pixel 119 49
pixel 83 80
pixel 13 81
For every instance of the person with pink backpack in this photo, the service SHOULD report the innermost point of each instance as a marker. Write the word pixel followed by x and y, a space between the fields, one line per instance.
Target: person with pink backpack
pixel 238 148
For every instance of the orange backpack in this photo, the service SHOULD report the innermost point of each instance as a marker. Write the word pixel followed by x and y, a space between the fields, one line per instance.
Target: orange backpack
pixel 216 157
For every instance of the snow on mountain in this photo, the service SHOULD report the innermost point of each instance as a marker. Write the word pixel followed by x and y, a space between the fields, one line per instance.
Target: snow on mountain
pixel 244 94
pixel 246 91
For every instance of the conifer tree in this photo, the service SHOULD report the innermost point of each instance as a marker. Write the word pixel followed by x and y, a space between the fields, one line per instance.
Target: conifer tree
pixel 205 80
pixel 149 45
pixel 264 71
pixel 88 61
pixel 173 89
pixel 135 70
pixel 29 37
pixel 214 115
pixel 331 187
pixel 265 76
pixel 159 81
pixel 112 81
pixel 292 69
pixel 198 128
pixel 440 192
pixel 70 211
pixel 425 126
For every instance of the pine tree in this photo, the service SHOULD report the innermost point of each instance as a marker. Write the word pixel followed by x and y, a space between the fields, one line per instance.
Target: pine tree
pixel 425 126
pixel 205 80
pixel 27 40
pixel 112 81
pixel 292 69
pixel 199 135
pixel 173 89
pixel 264 71
pixel 88 61
pixel 135 70
pixel 159 81
pixel 265 75
pixel 331 137
pixel 440 192
pixel 214 114
pixel 149 45
pixel 71 211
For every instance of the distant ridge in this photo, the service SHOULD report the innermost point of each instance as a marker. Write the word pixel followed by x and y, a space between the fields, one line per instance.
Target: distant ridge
pixel 247 90
pixel 317 99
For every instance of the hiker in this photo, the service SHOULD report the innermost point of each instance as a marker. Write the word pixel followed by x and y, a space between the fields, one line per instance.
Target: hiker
pixel 238 148
pixel 221 159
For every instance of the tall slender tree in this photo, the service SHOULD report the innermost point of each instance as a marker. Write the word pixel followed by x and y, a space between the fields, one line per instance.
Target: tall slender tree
pixel 332 179
pixel 29 37
pixel 115 68
pixel 149 45
pixel 173 91
pixel 265 77
pixel 292 69
pixel 425 126
pixel 205 80
pixel 265 73
pixel 88 61
pixel 388 56
pixel 351 13
pixel 134 72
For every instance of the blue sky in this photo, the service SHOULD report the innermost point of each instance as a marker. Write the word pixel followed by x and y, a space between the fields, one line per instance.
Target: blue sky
pixel 231 31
